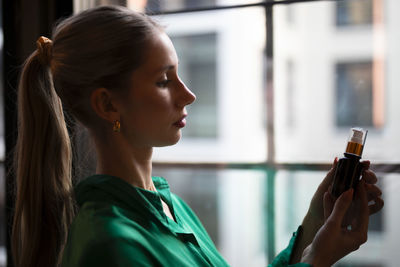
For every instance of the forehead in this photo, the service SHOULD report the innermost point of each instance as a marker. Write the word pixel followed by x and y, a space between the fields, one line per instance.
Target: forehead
pixel 160 53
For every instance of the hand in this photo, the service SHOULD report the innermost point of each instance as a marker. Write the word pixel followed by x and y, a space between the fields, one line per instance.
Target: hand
pixel 314 218
pixel 333 241
pixel 316 212
pixel 373 194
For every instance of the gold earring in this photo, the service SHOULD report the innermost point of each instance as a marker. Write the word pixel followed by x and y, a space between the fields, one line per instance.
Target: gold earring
pixel 117 126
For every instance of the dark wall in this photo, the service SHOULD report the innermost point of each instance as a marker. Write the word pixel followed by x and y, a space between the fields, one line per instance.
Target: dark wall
pixel 23 22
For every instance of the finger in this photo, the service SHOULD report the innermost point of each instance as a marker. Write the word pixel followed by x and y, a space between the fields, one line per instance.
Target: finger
pixel 369 177
pixel 329 202
pixel 372 191
pixel 341 206
pixel 362 205
pixel 328 178
pixel 365 164
pixel 377 206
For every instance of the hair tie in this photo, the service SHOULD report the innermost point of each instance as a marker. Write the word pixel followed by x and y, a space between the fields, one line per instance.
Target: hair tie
pixel 44 47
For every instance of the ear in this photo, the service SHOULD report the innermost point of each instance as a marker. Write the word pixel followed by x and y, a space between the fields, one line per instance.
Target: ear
pixel 104 105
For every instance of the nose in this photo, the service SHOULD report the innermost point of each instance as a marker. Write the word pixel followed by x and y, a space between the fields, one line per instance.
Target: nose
pixel 186 97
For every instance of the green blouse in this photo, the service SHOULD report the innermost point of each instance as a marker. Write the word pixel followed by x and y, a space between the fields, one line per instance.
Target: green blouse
pixel 122 225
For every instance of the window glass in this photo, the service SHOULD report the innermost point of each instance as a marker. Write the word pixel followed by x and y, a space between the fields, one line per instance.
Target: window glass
pixel 327 80
pixel 354 12
pixel 223 63
pixel 162 5
pixel 157 6
pixel 354 94
pixel 172 5
pixel 231 206
pixel 198 68
pixel 80 5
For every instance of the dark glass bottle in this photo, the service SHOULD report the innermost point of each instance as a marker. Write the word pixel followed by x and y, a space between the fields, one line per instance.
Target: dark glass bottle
pixel 348 169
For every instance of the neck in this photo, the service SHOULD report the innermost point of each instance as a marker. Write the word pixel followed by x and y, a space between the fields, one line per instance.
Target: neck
pixel 132 164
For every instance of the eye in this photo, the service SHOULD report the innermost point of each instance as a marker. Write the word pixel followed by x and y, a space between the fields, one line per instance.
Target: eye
pixel 163 83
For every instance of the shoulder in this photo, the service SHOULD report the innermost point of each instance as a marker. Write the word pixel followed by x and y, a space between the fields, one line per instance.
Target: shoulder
pixel 110 251
pixel 109 221
pixel 100 234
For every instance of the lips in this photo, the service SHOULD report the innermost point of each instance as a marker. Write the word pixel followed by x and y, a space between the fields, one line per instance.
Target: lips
pixel 181 122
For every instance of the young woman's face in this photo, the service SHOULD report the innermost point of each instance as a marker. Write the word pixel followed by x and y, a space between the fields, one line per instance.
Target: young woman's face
pixel 154 112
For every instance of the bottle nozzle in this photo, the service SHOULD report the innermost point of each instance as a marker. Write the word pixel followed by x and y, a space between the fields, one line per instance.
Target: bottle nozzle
pixel 356 141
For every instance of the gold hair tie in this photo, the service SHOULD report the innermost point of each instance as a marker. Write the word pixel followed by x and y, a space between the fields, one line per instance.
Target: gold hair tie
pixel 44 47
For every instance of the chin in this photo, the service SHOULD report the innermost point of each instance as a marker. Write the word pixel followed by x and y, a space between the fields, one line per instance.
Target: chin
pixel 170 142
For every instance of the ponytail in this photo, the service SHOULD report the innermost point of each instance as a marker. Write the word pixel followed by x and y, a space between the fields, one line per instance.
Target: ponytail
pixel 44 208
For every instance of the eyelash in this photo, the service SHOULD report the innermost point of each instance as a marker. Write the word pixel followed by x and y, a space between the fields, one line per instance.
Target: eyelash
pixel 163 83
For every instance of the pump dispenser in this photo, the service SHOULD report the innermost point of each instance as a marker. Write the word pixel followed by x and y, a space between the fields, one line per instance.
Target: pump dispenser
pixel 348 169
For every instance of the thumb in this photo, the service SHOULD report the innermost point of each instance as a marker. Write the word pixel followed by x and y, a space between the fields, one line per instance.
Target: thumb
pixel 329 176
pixel 327 180
pixel 341 206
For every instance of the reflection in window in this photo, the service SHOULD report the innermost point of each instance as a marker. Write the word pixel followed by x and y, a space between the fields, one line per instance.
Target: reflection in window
pixel 354 12
pixel 354 94
pixel 197 69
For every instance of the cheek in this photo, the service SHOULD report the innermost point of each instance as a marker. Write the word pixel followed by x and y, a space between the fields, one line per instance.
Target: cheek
pixel 149 108
pixel 149 115
pixel 159 106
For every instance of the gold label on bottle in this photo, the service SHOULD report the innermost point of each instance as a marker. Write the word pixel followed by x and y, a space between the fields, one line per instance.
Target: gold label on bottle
pixel 354 148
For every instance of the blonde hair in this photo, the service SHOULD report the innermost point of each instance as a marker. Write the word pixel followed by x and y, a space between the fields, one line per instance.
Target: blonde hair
pixel 99 47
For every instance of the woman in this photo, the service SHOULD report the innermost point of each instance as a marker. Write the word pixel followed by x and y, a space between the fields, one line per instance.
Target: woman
pixel 116 72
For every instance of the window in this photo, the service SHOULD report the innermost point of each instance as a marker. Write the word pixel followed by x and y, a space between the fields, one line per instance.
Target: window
pixel 354 12
pixel 184 5
pixel 198 66
pixel 223 64
pixel 157 6
pixel 212 194
pixel 273 109
pixel 354 94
